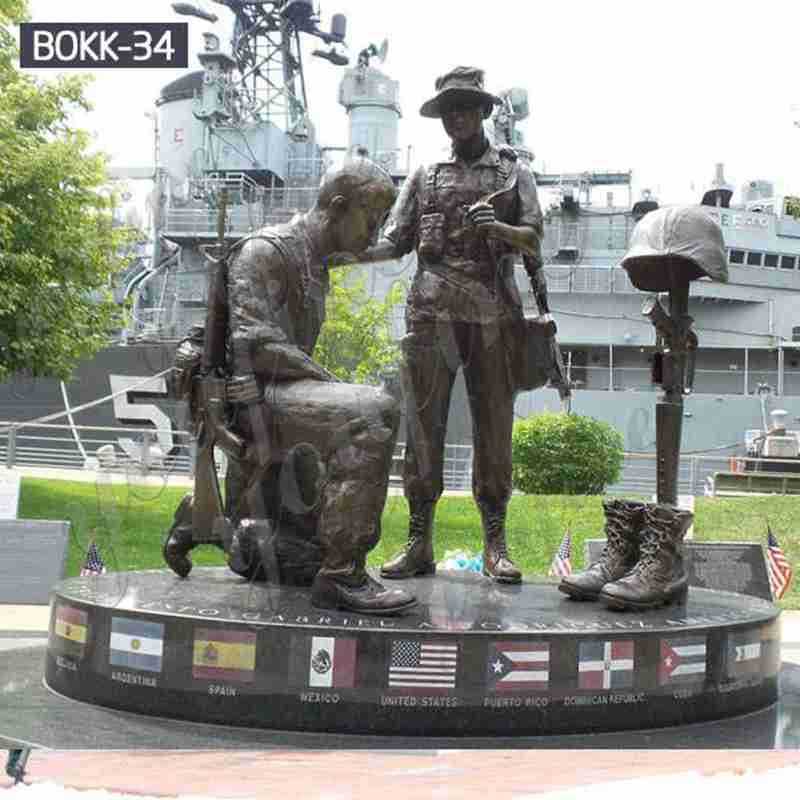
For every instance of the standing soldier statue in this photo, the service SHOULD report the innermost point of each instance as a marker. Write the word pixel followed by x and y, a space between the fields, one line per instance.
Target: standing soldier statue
pixel 466 217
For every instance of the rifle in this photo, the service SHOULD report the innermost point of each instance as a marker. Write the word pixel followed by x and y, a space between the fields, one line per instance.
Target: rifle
pixel 538 359
pixel 209 523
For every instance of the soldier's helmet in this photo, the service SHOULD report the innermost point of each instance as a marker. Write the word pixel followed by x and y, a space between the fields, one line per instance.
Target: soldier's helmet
pixel 673 245
pixel 464 84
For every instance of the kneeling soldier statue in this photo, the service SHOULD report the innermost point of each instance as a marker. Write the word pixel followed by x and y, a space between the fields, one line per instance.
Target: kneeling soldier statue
pixel 309 456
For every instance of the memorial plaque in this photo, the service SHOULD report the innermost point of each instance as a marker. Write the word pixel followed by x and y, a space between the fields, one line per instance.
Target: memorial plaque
pixel 9 494
pixel 731 566
pixel 33 554
pixel 726 566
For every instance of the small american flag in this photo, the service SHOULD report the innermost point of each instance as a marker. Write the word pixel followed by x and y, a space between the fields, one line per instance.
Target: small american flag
pixel 94 564
pixel 561 566
pixel 423 665
pixel 779 569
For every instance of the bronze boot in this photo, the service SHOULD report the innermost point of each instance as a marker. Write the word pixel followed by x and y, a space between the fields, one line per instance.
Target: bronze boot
pixel 364 596
pixel 417 558
pixel 179 541
pixel 497 563
pixel 620 554
pixel 659 577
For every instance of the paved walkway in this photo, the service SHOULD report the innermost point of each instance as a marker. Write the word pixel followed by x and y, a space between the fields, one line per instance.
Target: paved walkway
pixel 412 776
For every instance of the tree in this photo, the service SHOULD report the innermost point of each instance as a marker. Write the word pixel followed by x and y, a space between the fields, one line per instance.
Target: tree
pixel 58 249
pixel 356 342
pixel 565 454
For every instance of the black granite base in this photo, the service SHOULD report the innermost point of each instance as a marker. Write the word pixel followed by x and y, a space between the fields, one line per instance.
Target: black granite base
pixel 475 659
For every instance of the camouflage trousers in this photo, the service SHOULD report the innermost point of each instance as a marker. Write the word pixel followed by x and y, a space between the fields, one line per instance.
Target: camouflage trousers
pixel 326 455
pixel 433 353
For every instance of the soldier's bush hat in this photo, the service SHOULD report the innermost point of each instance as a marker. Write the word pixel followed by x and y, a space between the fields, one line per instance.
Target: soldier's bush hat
pixel 464 84
pixel 674 244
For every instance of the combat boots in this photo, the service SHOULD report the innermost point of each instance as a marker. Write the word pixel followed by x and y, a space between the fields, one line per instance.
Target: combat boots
pixel 181 538
pixel 417 558
pixel 659 577
pixel 620 554
pixel 497 564
pixel 179 541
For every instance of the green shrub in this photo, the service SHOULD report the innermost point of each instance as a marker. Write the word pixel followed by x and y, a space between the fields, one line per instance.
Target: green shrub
pixel 565 454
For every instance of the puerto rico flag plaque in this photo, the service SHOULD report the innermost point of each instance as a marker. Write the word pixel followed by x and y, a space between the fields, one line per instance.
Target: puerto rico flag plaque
pixel 518 666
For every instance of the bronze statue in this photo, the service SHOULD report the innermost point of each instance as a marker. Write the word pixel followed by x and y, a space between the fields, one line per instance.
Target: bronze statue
pixel 310 455
pixel 466 216
pixel 642 563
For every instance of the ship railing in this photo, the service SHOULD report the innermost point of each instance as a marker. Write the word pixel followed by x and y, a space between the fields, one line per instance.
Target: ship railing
pixel 290 198
pixel 602 376
pixel 202 222
pixel 241 187
pixel 589 280
pixel 609 233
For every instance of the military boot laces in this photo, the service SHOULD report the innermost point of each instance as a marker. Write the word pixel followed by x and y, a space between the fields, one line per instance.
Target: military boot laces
pixel 497 563
pixel 619 555
pixel 417 557
pixel 659 577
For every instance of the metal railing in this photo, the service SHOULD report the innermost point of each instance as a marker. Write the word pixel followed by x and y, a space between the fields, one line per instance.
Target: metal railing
pixel 83 447
pixel 125 449
pixel 591 280
pixel 122 449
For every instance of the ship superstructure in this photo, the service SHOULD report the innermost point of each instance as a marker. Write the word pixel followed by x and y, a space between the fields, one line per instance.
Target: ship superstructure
pixel 749 328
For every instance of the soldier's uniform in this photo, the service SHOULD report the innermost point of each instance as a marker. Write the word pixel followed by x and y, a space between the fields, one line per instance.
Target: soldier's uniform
pixel 459 313
pixel 276 297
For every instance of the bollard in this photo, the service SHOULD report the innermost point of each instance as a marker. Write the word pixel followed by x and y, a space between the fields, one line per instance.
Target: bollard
pixel 11 448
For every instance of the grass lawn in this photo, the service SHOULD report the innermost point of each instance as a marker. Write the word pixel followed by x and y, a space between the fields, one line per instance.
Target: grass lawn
pixel 129 522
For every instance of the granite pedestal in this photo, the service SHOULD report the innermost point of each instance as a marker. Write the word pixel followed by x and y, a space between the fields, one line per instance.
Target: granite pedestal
pixel 474 659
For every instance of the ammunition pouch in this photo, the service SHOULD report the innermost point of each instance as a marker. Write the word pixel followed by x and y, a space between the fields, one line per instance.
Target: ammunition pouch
pixel 431 237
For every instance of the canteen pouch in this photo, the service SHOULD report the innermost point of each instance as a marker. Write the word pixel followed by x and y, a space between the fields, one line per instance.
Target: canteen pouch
pixel 535 355
pixel 431 237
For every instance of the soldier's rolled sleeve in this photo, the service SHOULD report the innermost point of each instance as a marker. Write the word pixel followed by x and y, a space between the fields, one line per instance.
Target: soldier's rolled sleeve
pixel 403 225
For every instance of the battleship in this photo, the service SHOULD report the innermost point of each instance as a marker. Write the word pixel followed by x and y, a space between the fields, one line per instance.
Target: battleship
pixel 242 123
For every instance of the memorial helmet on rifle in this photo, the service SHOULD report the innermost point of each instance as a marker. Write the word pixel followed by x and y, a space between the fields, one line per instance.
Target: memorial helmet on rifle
pixel 675 243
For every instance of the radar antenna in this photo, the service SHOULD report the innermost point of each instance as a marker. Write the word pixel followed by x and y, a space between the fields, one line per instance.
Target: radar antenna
pixel 369 52
pixel 268 83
